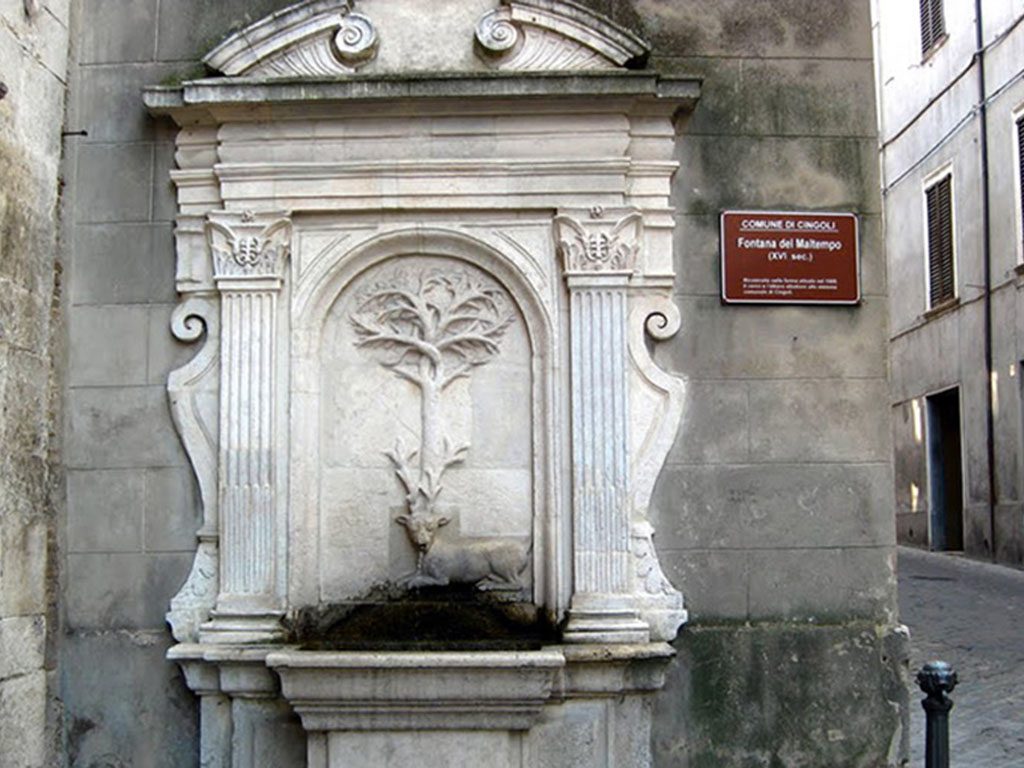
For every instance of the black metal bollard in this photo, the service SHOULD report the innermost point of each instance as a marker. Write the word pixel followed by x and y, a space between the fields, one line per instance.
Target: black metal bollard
pixel 937 679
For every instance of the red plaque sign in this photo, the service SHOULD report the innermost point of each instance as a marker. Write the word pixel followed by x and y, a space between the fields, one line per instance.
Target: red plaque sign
pixel 790 258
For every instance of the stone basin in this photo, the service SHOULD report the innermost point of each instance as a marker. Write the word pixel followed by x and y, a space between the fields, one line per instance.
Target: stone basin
pixel 559 705
pixel 566 705
pixel 416 690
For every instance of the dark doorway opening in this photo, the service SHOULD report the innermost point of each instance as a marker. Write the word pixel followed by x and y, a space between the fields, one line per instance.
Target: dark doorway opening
pixel 945 471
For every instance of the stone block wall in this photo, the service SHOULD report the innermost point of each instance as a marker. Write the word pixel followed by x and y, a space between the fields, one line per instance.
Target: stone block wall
pixel 131 497
pixel 784 447
pixel 33 64
pixel 775 512
pixel 774 515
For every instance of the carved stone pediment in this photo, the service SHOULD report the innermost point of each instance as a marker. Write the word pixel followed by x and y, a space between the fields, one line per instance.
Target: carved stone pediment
pixel 555 34
pixel 316 38
pixel 329 38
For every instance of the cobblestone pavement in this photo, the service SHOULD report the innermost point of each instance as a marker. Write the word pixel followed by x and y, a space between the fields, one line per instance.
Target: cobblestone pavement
pixel 971 615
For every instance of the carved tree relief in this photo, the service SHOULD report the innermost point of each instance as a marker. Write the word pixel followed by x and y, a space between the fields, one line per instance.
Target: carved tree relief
pixel 431 328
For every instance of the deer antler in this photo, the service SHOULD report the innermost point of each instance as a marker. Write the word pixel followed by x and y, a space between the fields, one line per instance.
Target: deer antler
pixel 401 461
pixel 449 457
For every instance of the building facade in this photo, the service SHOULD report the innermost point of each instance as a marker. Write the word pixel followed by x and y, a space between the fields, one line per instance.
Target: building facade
pixel 33 59
pixel 950 100
pixel 772 511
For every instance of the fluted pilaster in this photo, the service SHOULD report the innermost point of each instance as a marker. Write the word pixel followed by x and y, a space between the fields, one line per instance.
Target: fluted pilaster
pixel 249 253
pixel 599 256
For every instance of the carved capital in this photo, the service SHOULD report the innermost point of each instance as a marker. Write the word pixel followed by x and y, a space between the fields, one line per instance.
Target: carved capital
pixel 248 245
pixel 603 242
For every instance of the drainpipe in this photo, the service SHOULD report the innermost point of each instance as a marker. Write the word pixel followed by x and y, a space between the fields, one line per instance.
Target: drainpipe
pixel 979 57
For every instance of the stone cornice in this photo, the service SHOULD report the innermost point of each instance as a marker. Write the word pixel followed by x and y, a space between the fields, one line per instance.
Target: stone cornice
pixel 193 101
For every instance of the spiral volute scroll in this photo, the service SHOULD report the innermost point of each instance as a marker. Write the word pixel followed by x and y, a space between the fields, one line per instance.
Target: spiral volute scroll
pixel 356 39
pixel 663 321
pixel 191 319
pixel 496 33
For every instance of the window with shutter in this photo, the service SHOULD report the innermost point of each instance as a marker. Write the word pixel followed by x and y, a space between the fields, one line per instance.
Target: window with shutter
pixel 941 277
pixel 933 24
pixel 1020 180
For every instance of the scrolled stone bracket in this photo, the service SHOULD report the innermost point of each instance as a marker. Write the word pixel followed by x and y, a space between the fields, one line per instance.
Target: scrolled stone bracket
pixel 653 314
pixel 663 322
pixel 194 319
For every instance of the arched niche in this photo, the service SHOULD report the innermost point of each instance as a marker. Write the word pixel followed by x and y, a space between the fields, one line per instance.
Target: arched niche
pixel 357 418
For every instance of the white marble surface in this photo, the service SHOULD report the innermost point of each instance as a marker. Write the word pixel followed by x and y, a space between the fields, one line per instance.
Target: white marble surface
pixel 440 375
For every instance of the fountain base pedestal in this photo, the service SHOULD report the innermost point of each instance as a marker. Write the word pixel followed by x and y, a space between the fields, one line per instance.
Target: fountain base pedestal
pixel 560 706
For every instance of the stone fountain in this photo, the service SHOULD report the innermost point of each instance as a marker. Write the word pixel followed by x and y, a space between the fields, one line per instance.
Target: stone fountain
pixel 425 259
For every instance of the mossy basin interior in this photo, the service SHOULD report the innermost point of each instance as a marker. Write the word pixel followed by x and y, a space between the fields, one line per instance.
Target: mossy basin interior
pixel 451 618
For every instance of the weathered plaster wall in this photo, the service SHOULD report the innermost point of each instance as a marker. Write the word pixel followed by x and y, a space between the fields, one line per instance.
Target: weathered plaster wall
pixel 934 353
pixel 33 56
pixel 774 515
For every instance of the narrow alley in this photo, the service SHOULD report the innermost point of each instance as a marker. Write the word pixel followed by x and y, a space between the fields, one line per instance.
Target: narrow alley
pixel 970 614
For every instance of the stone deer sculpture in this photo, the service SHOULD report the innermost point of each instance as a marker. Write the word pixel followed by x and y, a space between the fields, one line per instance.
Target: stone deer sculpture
pixel 489 564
